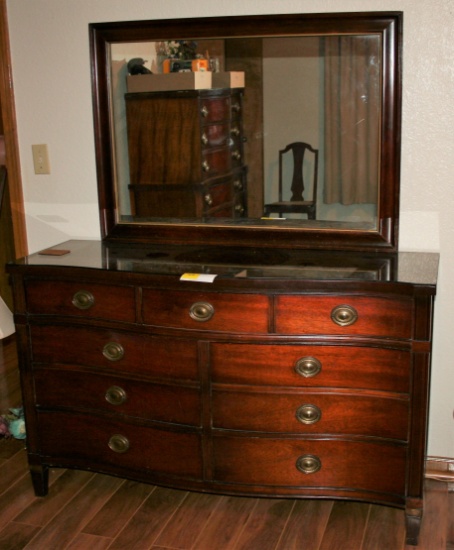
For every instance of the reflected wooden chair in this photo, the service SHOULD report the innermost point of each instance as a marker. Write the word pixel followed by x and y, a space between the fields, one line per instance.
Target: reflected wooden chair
pixel 296 204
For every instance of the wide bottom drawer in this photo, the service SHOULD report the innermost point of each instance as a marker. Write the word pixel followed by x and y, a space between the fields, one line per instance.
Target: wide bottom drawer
pixel 108 441
pixel 311 463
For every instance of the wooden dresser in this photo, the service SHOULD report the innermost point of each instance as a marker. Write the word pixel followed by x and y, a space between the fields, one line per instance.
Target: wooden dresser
pixel 291 374
pixel 186 154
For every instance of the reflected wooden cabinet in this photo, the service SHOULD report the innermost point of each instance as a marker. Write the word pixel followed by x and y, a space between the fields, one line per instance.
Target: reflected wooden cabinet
pixel 186 154
pixel 300 383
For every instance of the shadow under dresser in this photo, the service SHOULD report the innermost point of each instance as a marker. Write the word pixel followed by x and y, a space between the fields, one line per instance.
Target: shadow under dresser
pixel 279 373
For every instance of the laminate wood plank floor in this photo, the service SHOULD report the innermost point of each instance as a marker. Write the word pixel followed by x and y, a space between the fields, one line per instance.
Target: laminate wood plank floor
pixel 87 511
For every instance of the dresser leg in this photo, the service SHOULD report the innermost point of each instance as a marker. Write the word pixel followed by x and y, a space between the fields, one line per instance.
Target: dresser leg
pixel 413 518
pixel 40 479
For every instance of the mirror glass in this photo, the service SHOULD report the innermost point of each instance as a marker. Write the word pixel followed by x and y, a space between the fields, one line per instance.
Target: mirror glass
pixel 278 126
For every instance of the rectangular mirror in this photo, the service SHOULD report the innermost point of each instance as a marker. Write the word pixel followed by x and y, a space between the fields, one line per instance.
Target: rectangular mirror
pixel 287 134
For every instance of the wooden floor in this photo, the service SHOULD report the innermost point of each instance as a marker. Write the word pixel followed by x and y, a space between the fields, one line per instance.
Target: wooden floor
pixel 87 511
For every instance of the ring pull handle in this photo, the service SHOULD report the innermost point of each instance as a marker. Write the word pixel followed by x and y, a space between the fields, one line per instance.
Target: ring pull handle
pixel 344 315
pixel 238 184
pixel 236 155
pixel 235 131
pixel 205 166
pixel 116 395
pixel 113 351
pixel 83 299
pixel 239 208
pixel 308 414
pixel 201 311
pixel 204 111
pixel 308 464
pixel 118 443
pixel 208 199
pixel 204 139
pixel 308 366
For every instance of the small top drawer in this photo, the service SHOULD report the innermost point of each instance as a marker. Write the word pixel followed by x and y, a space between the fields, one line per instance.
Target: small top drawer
pixel 349 315
pixel 206 311
pixel 81 300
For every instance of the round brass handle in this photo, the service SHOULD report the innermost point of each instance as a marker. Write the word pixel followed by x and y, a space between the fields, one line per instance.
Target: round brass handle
pixel 204 139
pixel 308 366
pixel 205 166
pixel 308 464
pixel 201 311
pixel 308 414
pixel 118 443
pixel 235 131
pixel 113 351
pixel 204 111
pixel 116 395
pixel 208 199
pixel 239 208
pixel 344 315
pixel 83 299
pixel 236 155
pixel 237 184
pixel 236 107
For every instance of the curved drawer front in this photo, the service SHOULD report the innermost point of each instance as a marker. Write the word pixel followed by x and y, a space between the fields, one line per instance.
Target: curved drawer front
pixel 215 135
pixel 311 413
pixel 206 311
pixel 310 366
pixel 162 358
pixel 341 464
pixel 349 315
pixel 102 441
pixel 81 300
pixel 74 390
pixel 216 109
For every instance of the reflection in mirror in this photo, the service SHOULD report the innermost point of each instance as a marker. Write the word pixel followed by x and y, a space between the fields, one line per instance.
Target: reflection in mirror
pixel 321 90
pixel 299 110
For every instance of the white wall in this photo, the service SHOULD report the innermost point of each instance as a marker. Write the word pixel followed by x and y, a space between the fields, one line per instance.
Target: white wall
pixel 51 72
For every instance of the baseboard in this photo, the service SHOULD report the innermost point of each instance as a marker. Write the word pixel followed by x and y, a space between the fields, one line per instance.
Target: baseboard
pixel 440 469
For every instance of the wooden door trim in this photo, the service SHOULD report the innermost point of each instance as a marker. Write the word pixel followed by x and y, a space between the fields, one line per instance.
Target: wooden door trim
pixel 11 140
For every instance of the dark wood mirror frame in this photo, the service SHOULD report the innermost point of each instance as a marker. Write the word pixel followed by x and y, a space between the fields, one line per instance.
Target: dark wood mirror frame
pixel 387 24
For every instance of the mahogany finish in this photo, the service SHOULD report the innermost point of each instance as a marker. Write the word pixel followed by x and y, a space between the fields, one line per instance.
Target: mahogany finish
pixel 259 383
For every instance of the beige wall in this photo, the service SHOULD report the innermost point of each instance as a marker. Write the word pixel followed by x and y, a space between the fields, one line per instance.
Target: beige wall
pixel 50 54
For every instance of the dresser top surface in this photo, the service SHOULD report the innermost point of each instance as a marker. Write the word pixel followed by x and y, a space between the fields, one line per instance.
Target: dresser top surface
pixel 416 268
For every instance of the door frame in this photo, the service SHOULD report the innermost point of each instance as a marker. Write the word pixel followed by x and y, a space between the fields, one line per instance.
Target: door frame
pixel 8 114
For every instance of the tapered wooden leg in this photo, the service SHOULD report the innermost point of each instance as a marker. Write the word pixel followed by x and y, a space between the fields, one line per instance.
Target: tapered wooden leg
pixel 413 518
pixel 40 479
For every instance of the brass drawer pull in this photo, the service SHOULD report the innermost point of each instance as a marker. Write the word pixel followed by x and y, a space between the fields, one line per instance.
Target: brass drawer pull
pixel 235 131
pixel 236 107
pixel 208 199
pixel 118 443
pixel 308 414
pixel 238 184
pixel 116 395
pixel 113 351
pixel 344 315
pixel 201 311
pixel 83 299
pixel 204 139
pixel 205 166
pixel 204 111
pixel 308 464
pixel 308 366
pixel 236 155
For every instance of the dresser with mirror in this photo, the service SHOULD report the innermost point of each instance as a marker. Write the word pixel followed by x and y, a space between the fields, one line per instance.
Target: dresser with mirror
pixel 256 354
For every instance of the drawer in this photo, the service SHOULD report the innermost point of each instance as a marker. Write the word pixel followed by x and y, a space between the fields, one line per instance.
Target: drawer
pixel 216 162
pixel 81 300
pixel 217 194
pixel 71 389
pixel 342 464
pixel 311 366
pixel 155 357
pixel 98 440
pixel 350 315
pixel 216 109
pixel 206 311
pixel 310 413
